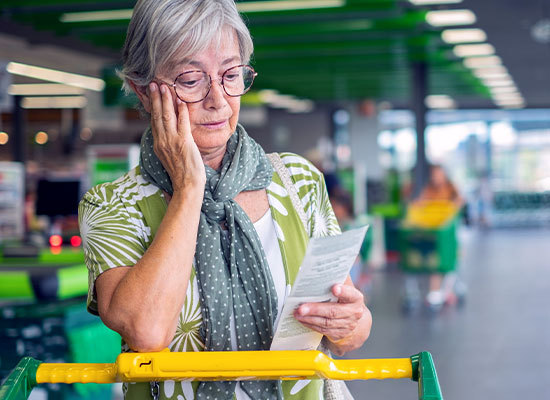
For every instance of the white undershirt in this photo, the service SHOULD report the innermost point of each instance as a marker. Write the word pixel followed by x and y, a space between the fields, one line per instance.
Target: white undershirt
pixel 268 236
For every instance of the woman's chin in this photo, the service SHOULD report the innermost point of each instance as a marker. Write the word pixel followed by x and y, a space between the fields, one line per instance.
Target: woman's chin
pixel 212 138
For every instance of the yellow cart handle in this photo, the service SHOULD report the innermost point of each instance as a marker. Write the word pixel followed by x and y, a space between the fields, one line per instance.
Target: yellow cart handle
pixel 287 365
pixel 244 365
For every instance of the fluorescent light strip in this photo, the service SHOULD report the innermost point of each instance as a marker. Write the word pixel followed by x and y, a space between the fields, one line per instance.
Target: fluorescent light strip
pixel 450 17
pixel 498 82
pixel 54 102
pixel 504 89
pixel 508 100
pixel 473 50
pixel 441 101
pixel 495 69
pixel 43 89
pixel 52 75
pixel 89 16
pixel 281 5
pixel 454 36
pixel 520 104
pixel 291 103
pixel 250 6
pixel 479 62
pixel 491 75
pixel 433 2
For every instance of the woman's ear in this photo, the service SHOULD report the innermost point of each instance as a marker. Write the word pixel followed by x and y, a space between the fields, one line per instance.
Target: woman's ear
pixel 142 93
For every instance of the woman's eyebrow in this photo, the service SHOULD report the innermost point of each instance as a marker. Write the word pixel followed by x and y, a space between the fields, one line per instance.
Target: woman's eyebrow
pixel 230 60
pixel 198 64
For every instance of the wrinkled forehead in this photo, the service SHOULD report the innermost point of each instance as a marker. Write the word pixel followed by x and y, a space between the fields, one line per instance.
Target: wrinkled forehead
pixel 222 49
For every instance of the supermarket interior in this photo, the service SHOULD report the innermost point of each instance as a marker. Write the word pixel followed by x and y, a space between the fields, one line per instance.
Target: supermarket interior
pixel 430 120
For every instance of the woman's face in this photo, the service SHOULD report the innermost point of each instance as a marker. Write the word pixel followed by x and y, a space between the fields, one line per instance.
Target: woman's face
pixel 214 119
pixel 438 176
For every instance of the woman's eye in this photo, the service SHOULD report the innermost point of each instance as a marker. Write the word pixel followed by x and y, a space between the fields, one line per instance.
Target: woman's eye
pixel 190 80
pixel 231 77
pixel 188 83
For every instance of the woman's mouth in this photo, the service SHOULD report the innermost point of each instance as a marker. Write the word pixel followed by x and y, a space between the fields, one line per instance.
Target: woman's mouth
pixel 215 124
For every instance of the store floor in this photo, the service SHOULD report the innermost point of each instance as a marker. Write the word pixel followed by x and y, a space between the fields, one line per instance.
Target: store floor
pixel 496 346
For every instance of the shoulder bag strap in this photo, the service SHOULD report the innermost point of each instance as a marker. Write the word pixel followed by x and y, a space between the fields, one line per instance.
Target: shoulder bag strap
pixel 283 173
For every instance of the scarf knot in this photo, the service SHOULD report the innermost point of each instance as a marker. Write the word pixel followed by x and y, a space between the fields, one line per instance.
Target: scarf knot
pixel 233 276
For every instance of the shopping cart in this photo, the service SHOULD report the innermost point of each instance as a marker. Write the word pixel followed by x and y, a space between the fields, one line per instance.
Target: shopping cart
pixel 428 244
pixel 286 365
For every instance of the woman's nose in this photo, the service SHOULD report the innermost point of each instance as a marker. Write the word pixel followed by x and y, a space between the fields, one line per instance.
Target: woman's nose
pixel 216 95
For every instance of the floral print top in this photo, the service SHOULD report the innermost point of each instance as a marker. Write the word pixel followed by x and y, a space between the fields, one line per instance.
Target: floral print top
pixel 118 221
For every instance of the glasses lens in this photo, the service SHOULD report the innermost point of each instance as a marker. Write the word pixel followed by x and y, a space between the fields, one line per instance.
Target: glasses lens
pixel 238 80
pixel 192 86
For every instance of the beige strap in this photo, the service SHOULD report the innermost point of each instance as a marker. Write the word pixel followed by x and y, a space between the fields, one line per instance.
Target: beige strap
pixel 283 173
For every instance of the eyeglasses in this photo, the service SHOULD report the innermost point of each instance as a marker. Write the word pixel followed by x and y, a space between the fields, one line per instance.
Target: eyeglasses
pixel 194 86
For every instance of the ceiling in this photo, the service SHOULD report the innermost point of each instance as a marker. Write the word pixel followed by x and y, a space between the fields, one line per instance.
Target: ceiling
pixel 361 50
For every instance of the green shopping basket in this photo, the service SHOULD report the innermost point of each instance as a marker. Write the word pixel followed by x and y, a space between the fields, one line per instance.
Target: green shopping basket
pixel 160 366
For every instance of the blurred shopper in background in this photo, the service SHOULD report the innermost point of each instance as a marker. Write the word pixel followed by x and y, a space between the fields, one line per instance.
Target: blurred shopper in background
pixel 439 189
pixel 194 249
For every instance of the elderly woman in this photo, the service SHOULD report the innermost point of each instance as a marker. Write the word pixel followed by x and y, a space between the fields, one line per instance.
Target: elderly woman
pixel 196 248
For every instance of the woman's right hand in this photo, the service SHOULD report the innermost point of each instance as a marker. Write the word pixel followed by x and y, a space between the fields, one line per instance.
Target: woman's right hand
pixel 173 142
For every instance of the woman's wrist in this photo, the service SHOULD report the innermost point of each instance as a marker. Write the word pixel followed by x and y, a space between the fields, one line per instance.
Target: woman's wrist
pixel 189 195
pixel 356 338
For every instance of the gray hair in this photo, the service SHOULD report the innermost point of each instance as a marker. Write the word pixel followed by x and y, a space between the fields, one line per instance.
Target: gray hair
pixel 160 28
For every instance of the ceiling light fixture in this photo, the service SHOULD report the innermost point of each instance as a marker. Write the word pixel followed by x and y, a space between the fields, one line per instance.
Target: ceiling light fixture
pixel 495 69
pixel 433 2
pixel 249 7
pixel 473 50
pixel 54 102
pixel 498 82
pixel 511 104
pixel 91 16
pixel 281 5
pixel 450 17
pixel 440 101
pixel 43 89
pixel 508 99
pixel 455 36
pixel 482 62
pixel 488 74
pixel 52 75
pixel 504 89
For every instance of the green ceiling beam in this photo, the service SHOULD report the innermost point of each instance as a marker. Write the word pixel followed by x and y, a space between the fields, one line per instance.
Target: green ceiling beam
pixel 408 20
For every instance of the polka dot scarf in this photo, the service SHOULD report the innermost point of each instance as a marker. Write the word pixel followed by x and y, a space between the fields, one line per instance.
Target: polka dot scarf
pixel 232 270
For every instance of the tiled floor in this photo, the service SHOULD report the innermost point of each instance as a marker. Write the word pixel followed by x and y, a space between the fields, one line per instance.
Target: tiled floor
pixel 497 346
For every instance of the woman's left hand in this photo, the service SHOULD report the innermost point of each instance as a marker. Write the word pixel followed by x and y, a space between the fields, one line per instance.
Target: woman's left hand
pixel 346 323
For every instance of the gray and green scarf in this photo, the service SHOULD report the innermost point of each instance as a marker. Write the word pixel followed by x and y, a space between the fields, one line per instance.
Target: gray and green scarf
pixel 232 271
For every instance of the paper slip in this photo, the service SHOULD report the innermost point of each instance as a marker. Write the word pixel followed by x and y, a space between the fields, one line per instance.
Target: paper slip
pixel 327 262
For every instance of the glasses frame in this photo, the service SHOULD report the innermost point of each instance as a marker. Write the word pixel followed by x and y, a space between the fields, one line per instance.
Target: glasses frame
pixel 254 75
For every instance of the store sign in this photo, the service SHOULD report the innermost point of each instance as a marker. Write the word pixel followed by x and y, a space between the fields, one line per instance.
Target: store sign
pixel 109 162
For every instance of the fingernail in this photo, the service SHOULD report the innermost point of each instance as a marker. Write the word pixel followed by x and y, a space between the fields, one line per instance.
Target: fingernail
pixel 178 101
pixel 152 87
pixel 163 89
pixel 304 310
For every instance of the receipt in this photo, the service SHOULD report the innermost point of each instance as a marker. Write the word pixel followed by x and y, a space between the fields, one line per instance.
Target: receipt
pixel 326 263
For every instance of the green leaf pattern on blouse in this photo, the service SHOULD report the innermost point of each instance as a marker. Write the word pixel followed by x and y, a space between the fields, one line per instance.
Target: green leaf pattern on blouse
pixel 119 220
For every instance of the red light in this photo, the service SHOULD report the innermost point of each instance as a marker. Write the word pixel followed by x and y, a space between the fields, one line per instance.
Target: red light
pixel 56 240
pixel 76 241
